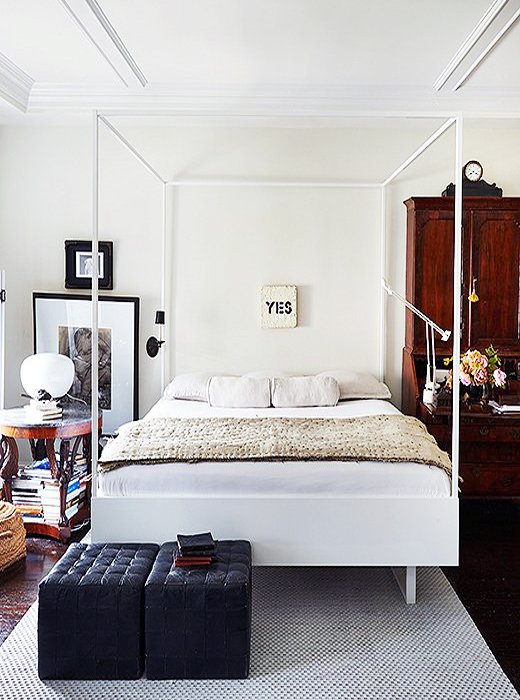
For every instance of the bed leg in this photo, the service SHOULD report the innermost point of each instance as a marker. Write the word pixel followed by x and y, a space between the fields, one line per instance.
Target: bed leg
pixel 406 580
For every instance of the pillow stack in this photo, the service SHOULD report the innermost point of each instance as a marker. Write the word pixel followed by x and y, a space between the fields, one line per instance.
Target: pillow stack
pixel 276 388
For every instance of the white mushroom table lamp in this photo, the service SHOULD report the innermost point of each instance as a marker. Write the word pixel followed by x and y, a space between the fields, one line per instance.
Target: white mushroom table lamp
pixel 47 375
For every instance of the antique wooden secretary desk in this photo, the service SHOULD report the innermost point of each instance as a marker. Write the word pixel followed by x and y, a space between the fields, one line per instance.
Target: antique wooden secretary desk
pixel 490 443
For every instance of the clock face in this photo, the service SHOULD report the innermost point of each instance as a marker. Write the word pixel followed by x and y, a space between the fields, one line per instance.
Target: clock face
pixel 473 171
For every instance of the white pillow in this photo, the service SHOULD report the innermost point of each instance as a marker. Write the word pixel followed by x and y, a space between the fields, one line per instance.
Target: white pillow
pixel 239 392
pixel 357 385
pixel 192 386
pixel 304 391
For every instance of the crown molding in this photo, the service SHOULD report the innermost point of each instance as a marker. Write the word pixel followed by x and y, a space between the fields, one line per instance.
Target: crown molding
pixel 287 100
pixel 15 85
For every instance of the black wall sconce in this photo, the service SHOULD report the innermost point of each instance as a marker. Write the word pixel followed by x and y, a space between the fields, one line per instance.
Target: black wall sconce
pixel 153 344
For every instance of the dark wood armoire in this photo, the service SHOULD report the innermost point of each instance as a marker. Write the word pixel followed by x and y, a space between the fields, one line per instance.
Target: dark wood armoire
pixel 490 443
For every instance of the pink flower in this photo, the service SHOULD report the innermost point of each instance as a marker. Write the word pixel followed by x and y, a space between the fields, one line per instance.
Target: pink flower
pixel 465 378
pixel 481 361
pixel 481 376
pixel 500 378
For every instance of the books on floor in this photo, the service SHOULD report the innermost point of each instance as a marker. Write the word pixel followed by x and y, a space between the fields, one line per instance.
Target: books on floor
pixel 26 497
pixel 75 499
pixel 195 550
pixel 36 493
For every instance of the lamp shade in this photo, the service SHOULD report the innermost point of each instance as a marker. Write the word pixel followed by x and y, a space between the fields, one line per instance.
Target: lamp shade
pixel 49 372
pixel 159 318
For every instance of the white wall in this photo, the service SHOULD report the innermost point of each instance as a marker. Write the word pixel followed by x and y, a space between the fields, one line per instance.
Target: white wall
pixel 46 198
pixel 225 242
pixel 231 242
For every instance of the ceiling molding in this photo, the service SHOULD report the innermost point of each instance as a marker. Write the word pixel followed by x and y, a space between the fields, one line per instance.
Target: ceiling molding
pixel 489 48
pixel 15 85
pixel 469 42
pixel 269 100
pixel 90 18
pixel 484 37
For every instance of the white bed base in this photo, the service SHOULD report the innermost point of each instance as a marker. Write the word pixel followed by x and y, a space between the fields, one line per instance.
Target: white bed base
pixel 298 530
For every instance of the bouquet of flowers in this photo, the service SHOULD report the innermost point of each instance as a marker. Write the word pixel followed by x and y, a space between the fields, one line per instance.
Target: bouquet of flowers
pixel 479 369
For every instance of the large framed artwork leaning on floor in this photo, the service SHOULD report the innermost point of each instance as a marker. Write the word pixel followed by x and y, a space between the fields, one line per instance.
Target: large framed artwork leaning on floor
pixel 62 323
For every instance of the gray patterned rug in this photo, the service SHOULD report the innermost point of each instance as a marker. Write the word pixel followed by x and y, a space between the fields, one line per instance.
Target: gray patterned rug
pixel 317 634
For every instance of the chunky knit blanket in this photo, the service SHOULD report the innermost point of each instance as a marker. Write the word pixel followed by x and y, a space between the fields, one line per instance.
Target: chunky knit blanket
pixel 368 439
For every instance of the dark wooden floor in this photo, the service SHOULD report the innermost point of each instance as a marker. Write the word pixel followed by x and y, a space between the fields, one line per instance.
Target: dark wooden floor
pixel 487 580
pixel 19 585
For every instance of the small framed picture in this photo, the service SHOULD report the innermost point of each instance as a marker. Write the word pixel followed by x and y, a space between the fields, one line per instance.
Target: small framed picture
pixel 279 306
pixel 78 265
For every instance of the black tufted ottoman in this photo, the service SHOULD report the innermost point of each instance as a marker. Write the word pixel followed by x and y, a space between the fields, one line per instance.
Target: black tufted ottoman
pixel 198 620
pixel 90 616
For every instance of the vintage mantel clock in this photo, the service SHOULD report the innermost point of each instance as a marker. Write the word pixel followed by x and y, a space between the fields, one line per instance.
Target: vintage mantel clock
pixel 472 183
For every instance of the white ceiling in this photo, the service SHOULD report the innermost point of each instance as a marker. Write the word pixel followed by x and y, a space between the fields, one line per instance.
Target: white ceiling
pixel 65 57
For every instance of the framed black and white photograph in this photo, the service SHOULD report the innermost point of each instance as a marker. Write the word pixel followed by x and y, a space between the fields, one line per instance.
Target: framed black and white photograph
pixel 79 264
pixel 62 323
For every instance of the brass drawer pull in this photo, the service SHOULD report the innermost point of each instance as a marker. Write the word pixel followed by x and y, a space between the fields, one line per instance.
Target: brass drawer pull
pixel 515 433
pixel 484 431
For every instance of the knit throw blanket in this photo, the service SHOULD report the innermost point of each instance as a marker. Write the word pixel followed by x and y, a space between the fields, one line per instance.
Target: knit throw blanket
pixel 368 439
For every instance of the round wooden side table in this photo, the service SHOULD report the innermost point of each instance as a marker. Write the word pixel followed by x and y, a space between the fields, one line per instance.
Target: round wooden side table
pixel 73 431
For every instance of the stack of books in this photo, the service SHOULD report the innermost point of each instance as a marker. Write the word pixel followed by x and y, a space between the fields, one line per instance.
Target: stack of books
pixel 76 498
pixel 27 499
pixel 195 550
pixel 36 494
pixel 41 411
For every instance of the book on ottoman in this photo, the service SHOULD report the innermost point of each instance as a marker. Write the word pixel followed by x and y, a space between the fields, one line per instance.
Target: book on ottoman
pixel 90 612
pixel 198 620
pixel 202 544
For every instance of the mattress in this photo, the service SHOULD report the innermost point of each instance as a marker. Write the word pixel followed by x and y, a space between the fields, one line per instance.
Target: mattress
pixel 275 479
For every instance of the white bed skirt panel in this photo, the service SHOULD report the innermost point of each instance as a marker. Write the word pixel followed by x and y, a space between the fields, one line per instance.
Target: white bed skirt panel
pixel 297 531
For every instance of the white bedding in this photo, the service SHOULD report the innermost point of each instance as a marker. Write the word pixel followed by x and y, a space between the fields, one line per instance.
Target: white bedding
pixel 273 479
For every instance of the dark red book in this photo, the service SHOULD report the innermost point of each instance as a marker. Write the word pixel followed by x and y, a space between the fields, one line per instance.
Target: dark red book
pixel 192 561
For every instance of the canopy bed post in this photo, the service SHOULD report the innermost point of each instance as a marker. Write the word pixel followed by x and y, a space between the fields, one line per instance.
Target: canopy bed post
pixel 2 339
pixel 457 277
pixel 164 264
pixel 382 328
pixel 406 578
pixel 95 293
pixel 95 235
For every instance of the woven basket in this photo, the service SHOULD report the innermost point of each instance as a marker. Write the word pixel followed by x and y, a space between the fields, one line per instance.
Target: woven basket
pixel 12 535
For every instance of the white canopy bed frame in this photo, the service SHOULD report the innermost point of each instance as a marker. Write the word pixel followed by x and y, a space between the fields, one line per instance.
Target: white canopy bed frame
pixel 398 532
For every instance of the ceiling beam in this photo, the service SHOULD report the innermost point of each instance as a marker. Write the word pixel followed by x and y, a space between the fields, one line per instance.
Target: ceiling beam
pixel 93 22
pixel 15 85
